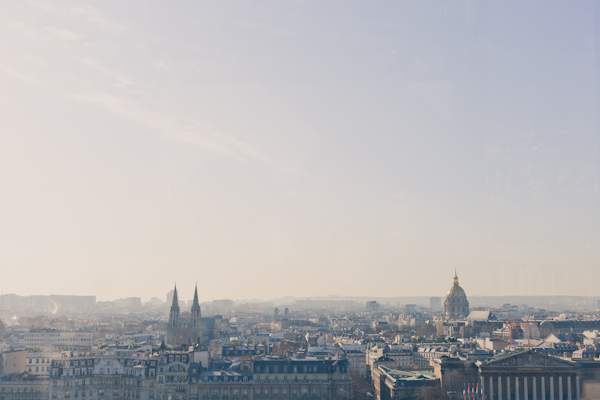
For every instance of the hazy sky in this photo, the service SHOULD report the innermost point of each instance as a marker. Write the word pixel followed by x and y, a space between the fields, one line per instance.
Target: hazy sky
pixel 299 148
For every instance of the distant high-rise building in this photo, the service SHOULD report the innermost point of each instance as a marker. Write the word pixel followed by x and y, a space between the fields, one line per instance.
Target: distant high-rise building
pixel 372 306
pixel 155 301
pixel 276 314
pixel 435 303
pixel 456 303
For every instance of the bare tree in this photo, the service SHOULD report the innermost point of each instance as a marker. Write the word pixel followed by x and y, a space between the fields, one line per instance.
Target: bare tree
pixel 360 386
pixel 432 393
pixel 426 330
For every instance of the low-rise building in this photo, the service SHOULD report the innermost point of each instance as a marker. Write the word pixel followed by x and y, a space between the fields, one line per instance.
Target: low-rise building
pixel 39 363
pixel 394 384
pixel 15 387
pixel 307 377
pixel 50 339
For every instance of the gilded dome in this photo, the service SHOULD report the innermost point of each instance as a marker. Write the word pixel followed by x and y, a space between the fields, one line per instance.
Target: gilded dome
pixel 456 291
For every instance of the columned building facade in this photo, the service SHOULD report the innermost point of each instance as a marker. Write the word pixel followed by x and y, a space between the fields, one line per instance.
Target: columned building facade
pixel 527 375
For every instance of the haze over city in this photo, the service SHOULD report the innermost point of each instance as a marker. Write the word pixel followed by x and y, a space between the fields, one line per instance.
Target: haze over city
pixel 271 149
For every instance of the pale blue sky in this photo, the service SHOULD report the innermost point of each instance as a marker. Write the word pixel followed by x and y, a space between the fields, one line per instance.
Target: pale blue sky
pixel 299 148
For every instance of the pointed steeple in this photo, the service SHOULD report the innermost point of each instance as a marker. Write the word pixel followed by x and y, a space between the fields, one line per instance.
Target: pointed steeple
pixel 196 315
pixel 455 278
pixel 195 303
pixel 175 299
pixel 174 321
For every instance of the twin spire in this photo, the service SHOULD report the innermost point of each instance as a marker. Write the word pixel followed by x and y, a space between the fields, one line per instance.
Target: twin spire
pixel 175 303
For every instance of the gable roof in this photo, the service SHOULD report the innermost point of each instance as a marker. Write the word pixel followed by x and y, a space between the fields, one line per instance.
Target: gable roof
pixel 526 357
pixel 481 316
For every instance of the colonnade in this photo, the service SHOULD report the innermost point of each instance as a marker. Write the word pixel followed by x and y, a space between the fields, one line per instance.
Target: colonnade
pixel 530 386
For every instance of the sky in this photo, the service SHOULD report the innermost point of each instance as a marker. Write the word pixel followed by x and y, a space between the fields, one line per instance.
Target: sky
pixel 299 148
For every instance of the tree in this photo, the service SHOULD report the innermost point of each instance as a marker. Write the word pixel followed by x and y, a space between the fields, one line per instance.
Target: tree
pixel 426 330
pixel 360 386
pixel 432 393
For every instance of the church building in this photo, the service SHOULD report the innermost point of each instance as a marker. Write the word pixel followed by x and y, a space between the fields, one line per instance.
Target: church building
pixel 456 304
pixel 187 330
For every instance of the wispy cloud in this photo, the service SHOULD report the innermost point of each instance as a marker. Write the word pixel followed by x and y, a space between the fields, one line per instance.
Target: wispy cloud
pixel 77 10
pixel 63 33
pixel 120 77
pixel 108 87
pixel 176 128
pixel 15 73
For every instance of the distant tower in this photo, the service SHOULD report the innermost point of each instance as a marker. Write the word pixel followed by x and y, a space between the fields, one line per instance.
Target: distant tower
pixel 174 320
pixel 435 303
pixel 196 323
pixel 286 313
pixel 456 303
pixel 276 316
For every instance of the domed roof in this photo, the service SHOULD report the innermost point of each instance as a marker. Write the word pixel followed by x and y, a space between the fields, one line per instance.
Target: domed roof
pixel 455 290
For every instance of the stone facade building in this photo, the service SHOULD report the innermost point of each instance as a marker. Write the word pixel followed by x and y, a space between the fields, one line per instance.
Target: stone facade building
pixel 288 378
pixel 185 375
pixel 529 375
pixel 521 375
pixel 12 388
pixel 102 378
pixel 52 339
pixel 393 384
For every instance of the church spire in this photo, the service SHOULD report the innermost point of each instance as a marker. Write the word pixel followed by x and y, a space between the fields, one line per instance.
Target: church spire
pixel 175 302
pixel 196 316
pixel 455 278
pixel 174 320
pixel 196 303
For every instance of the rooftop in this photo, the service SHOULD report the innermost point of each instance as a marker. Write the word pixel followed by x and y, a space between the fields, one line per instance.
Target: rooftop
pixel 401 375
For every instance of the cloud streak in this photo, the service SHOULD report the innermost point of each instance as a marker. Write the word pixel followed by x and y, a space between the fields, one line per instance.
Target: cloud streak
pixel 80 11
pixel 175 128
pixel 108 87
pixel 15 73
